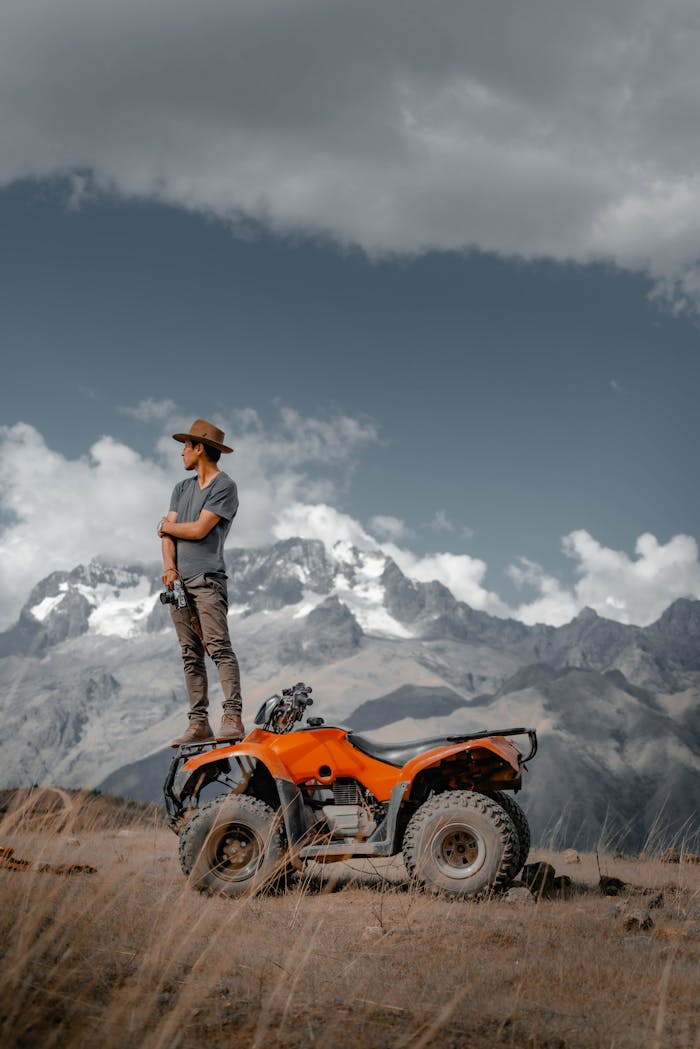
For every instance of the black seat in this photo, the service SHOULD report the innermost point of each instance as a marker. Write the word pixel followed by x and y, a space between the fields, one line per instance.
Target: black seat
pixel 397 753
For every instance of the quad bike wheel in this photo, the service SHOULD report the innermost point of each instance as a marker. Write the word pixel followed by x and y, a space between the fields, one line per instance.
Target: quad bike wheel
pixel 522 830
pixel 460 844
pixel 233 845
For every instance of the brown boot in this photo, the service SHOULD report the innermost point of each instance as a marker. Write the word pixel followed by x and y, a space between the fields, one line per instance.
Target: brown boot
pixel 231 727
pixel 197 732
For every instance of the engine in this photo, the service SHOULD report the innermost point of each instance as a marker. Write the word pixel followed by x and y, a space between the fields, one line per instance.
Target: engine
pixel 350 817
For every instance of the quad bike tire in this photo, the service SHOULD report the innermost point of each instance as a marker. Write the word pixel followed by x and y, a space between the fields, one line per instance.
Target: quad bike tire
pixel 233 846
pixel 460 844
pixel 522 829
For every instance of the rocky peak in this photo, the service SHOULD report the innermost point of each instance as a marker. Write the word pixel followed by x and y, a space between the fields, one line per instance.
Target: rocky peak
pixel 587 616
pixel 682 618
pixel 674 639
pixel 270 578
pixel 331 632
pixel 591 641
pixel 404 599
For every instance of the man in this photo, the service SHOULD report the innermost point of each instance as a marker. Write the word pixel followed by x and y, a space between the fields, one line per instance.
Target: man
pixel 193 535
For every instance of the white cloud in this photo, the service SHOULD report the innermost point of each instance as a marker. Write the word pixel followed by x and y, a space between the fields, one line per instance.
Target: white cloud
pixel 547 129
pixel 304 439
pixel 58 512
pixel 554 604
pixel 616 586
pixel 66 511
pixel 460 573
pixel 440 522
pixel 150 410
pixel 321 522
pixel 634 590
pixel 384 526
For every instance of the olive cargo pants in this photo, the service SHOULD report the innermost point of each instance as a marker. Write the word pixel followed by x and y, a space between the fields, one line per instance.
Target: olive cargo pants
pixel 208 595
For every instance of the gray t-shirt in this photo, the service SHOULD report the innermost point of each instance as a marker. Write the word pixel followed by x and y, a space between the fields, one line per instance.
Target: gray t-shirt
pixel 197 557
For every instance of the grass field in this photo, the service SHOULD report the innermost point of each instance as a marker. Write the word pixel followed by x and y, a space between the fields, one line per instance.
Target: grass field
pixel 131 956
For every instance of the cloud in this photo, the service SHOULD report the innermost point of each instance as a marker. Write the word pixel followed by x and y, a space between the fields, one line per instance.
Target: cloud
pixel 638 589
pixel 554 603
pixel 384 526
pixel 322 522
pixel 58 512
pixel 150 410
pixel 305 439
pixel 441 522
pixel 65 511
pixel 616 586
pixel 540 130
pixel 462 574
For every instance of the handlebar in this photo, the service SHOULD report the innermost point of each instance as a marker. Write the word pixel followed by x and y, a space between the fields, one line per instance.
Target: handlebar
pixel 300 689
pixel 280 712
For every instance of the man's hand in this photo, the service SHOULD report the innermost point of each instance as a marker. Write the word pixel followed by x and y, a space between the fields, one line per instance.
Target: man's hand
pixel 169 576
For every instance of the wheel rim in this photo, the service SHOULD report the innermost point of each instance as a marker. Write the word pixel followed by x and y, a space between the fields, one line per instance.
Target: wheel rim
pixel 458 850
pixel 234 852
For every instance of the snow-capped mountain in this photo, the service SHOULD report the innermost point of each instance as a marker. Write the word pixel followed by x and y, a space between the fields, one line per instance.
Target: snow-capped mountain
pixel 92 684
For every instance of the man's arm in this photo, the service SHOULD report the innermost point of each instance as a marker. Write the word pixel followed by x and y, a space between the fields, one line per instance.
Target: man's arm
pixel 198 529
pixel 167 546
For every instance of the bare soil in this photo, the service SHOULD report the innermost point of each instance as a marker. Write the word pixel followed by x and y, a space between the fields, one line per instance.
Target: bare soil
pixel 351 955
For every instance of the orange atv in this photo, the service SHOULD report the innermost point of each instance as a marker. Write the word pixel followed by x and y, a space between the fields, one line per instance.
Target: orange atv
pixel 327 794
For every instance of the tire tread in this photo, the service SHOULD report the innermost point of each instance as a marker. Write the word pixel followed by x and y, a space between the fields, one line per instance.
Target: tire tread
pixel 494 812
pixel 522 828
pixel 207 813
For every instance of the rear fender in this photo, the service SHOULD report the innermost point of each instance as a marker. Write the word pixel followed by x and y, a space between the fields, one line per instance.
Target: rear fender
pixel 506 754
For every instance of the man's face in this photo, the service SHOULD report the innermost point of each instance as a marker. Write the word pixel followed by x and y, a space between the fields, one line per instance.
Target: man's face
pixel 189 455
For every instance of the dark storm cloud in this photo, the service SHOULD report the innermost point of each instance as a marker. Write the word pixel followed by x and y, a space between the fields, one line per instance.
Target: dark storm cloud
pixel 532 128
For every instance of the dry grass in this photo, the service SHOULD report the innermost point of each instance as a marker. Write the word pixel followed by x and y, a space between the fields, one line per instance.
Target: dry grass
pixel 130 956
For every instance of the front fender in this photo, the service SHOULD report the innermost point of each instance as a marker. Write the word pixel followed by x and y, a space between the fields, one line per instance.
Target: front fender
pixel 265 755
pixel 291 804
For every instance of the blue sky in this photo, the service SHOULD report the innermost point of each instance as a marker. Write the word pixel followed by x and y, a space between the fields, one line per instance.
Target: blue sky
pixel 489 344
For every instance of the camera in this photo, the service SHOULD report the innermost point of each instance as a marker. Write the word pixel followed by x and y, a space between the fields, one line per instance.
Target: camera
pixel 176 596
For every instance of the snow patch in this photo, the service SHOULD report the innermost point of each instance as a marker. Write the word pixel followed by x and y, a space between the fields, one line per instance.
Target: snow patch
pixel 46 607
pixel 370 564
pixel 366 600
pixel 372 615
pixel 307 604
pixel 119 613
pixel 344 552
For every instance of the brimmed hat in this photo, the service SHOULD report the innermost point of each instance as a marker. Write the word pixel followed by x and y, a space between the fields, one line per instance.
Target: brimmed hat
pixel 206 432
